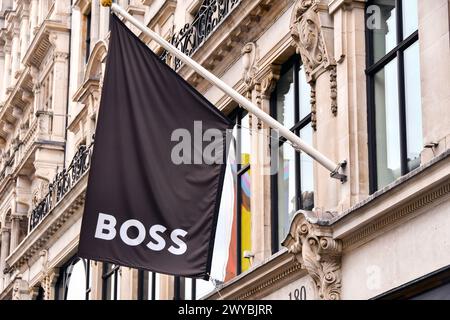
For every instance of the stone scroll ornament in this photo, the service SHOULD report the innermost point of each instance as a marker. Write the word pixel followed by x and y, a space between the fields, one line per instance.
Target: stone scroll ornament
pixel 315 51
pixel 315 249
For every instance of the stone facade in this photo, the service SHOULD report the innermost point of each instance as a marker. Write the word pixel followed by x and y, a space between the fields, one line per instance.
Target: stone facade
pixel 354 244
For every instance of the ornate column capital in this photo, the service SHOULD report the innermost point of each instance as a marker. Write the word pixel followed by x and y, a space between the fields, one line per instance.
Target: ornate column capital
pixel 312 33
pixel 268 80
pixel 307 32
pixel 318 252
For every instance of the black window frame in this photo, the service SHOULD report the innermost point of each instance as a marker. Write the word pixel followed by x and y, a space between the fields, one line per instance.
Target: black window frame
pixel 294 63
pixel 372 69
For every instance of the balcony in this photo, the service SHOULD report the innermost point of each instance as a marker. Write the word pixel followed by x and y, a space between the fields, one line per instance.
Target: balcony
pixel 208 18
pixel 62 184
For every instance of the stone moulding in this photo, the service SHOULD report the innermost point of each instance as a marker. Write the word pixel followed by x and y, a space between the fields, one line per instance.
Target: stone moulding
pixel 316 52
pixel 315 249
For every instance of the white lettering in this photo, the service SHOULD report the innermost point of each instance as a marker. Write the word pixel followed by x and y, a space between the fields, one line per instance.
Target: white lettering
pixel 107 223
pixel 160 242
pixel 182 247
pixel 124 233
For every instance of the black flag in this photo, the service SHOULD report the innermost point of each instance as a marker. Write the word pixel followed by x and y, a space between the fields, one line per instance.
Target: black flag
pixel 153 194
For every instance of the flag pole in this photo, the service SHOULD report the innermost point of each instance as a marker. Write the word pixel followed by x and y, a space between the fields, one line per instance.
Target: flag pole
pixel 236 96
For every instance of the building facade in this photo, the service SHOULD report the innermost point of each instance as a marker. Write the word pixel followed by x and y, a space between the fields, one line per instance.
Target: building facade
pixel 365 82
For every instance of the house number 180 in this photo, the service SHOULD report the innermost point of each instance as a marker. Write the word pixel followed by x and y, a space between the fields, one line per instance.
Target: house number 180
pixel 298 294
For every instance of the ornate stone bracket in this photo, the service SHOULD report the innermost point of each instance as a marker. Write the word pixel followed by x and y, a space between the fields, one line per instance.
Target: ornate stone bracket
pixel 315 249
pixel 315 48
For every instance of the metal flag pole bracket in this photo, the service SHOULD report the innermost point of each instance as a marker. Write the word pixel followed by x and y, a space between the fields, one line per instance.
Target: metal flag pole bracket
pixel 332 167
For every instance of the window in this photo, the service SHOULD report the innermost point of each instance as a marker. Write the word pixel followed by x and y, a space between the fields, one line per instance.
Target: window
pixel 75 281
pixel 111 282
pixel 88 18
pixel 394 93
pixel 293 185
pixel 148 285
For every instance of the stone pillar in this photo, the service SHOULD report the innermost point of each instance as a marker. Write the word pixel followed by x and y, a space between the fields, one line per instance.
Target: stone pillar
pixel 24 34
pixel 95 16
pixel 261 166
pixel 34 16
pixel 4 252
pixel 2 69
pixel 434 39
pixel 59 87
pixel 7 67
pixel 48 284
pixel 312 31
pixel 351 133
pixel 36 89
pixel 15 232
pixel 43 11
pixel 15 54
pixel 97 281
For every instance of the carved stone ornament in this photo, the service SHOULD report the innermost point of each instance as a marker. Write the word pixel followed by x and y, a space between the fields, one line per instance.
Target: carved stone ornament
pixel 269 80
pixel 315 249
pixel 249 58
pixel 308 35
pixel 21 290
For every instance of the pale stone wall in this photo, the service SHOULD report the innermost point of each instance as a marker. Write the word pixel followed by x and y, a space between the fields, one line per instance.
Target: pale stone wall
pixel 400 255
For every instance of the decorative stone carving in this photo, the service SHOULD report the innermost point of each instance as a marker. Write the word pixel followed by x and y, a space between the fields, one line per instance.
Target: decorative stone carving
pixel 315 51
pixel 48 284
pixel 21 291
pixel 269 80
pixel 249 53
pixel 315 249
pixel 40 192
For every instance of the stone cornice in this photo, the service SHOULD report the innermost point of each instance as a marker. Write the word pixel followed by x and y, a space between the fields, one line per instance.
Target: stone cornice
pixel 15 99
pixel 42 42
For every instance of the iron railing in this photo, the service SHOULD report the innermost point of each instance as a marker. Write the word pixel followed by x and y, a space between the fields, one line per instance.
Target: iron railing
pixel 62 184
pixel 210 14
